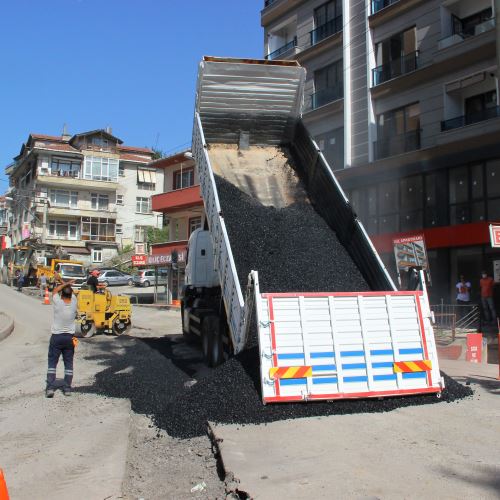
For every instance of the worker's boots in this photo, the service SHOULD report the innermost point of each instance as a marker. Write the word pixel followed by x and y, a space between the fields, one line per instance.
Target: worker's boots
pixel 49 393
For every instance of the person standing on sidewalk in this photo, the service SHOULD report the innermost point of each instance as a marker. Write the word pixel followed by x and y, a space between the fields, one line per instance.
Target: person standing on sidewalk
pixel 61 340
pixel 486 284
pixel 463 296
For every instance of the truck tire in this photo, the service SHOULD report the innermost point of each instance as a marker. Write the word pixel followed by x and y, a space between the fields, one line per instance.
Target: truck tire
pixel 211 341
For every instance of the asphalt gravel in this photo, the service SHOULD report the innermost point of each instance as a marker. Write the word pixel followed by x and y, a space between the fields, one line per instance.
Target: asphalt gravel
pixel 159 383
pixel 292 248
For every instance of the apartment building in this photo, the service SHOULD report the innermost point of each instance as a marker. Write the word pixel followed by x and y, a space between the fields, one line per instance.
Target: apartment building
pixel 402 97
pixel 4 222
pixel 88 193
pixel 182 208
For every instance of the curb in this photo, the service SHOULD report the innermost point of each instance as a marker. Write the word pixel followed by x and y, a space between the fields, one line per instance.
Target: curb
pixel 6 330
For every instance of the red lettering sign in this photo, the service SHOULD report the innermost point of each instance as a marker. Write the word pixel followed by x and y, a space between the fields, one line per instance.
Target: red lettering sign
pixel 495 236
pixel 139 260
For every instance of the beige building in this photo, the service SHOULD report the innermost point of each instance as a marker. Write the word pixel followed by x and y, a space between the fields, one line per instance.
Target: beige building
pixel 88 193
pixel 402 97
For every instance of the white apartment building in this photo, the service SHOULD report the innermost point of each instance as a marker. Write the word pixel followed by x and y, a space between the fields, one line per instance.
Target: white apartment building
pixel 88 193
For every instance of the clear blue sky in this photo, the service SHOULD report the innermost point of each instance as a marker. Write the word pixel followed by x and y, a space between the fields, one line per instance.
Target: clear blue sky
pixel 129 64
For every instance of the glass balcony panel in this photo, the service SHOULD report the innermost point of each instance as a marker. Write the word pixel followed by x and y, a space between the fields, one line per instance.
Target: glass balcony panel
pixel 327 95
pixel 395 68
pixel 462 121
pixel 398 144
pixel 325 30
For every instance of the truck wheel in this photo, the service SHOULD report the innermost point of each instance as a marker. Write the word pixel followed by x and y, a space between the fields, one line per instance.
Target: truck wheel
pixel 211 341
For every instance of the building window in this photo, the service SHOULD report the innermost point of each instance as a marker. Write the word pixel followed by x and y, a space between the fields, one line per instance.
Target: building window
pixel 63 230
pixel 183 178
pixel 64 167
pixel 143 205
pixel 396 56
pixel 141 233
pixel 194 224
pixel 99 201
pixel 467 26
pixel 328 84
pixel 146 179
pixel 118 229
pixel 327 21
pixel 119 199
pixel 98 229
pixel 101 169
pixel 121 170
pixel 65 199
pixel 96 255
pixel 398 131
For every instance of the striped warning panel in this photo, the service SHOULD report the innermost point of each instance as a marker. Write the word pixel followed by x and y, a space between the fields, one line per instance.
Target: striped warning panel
pixel 290 372
pixel 424 365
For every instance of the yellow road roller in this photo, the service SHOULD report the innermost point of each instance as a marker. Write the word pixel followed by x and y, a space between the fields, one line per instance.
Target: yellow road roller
pixel 103 311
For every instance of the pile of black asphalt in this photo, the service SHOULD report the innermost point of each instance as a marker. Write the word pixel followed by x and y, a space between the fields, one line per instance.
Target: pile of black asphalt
pixel 162 381
pixel 292 248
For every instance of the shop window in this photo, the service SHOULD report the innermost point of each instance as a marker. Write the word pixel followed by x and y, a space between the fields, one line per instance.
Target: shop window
pixel 388 224
pixel 477 212
pixel 459 214
pixel 494 209
pixel 388 198
pixel 459 185
pixel 476 181
pixel 493 178
pixel 411 193
pixel 410 221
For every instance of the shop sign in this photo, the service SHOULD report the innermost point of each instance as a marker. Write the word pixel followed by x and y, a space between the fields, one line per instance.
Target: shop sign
pixel 139 260
pixel 474 347
pixel 410 253
pixel 495 236
pixel 161 259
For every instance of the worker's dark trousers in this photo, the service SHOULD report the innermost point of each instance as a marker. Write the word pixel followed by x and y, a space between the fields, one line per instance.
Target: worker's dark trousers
pixel 60 344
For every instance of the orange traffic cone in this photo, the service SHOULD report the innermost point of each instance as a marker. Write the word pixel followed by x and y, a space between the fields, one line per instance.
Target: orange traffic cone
pixel 46 300
pixel 4 494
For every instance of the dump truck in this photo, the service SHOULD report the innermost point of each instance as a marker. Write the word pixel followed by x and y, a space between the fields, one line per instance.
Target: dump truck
pixel 283 261
pixel 66 269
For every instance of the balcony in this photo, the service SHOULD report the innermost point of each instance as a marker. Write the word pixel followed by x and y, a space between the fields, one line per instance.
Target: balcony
pixel 267 3
pixel 282 50
pixel 398 144
pixel 325 30
pixel 72 181
pixel 327 95
pixel 467 34
pixel 177 200
pixel 395 68
pixel 378 5
pixel 462 121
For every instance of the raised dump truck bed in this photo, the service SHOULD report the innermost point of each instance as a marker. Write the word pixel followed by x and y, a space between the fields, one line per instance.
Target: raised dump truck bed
pixel 287 244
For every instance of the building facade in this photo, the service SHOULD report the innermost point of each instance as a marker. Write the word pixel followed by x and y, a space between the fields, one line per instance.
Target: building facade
pixel 88 193
pixel 182 208
pixel 402 98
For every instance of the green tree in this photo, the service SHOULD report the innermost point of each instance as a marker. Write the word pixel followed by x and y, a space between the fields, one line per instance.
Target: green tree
pixel 155 235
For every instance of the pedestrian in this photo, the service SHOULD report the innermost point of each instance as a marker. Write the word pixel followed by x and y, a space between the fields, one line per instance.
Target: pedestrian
pixel 43 284
pixel 62 338
pixel 20 281
pixel 413 278
pixel 463 295
pixel 486 285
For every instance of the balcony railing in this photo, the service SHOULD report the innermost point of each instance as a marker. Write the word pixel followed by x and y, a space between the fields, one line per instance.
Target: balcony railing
pixel 462 121
pixel 267 3
pixel 397 144
pixel 470 32
pixel 395 68
pixel 325 30
pixel 282 50
pixel 381 4
pixel 327 95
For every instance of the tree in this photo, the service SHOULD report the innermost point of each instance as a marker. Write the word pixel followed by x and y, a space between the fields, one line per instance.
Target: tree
pixel 155 235
pixel 158 153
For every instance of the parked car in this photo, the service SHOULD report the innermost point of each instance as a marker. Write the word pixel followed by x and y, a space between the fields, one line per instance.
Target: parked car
pixel 146 277
pixel 114 277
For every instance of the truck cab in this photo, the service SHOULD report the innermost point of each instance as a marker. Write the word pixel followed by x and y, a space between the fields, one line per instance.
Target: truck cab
pixel 202 308
pixel 69 270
